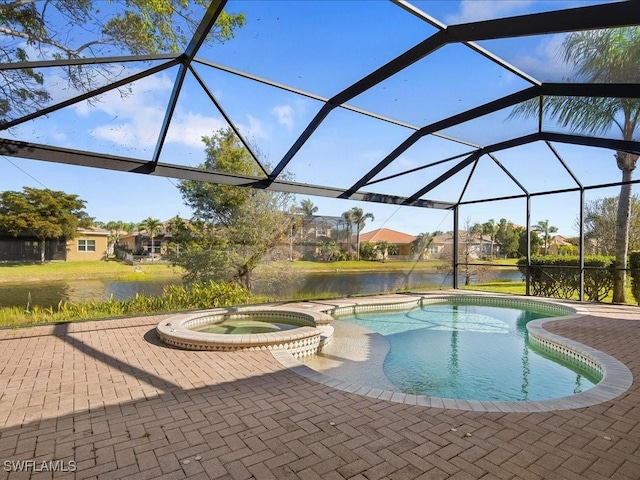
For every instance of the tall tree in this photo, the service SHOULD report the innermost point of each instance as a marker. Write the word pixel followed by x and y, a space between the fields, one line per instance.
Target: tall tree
pixel 346 216
pixel 359 218
pixel 234 229
pixel 547 232
pixel 73 29
pixel 116 228
pixel 307 207
pixel 600 225
pixel 602 56
pixel 508 236
pixel 490 228
pixel 152 226
pixel 422 242
pixel 535 242
pixel 44 213
pixel 476 231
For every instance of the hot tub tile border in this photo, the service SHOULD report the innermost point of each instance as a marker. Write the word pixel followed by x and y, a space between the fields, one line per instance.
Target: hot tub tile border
pixel 304 341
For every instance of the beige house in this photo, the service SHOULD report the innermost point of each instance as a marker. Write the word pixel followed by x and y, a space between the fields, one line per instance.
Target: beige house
pixel 442 246
pixel 89 244
pixel 399 239
pixel 560 245
pixel 139 243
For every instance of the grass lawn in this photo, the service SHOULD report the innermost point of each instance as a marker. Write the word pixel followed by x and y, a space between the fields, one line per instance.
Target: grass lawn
pixel 388 266
pixel 115 270
pixel 519 288
pixel 514 288
pixel 20 273
pixel 365 265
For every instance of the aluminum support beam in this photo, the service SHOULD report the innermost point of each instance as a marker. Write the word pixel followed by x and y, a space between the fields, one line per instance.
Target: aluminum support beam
pixel 594 17
pixel 528 248
pixel 610 143
pixel 90 94
pixel 604 90
pixel 230 122
pixel 442 178
pixel 456 245
pixel 72 62
pixel 471 114
pixel 199 37
pixel 581 246
pixel 68 156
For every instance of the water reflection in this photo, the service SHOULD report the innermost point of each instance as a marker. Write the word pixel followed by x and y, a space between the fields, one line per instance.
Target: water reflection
pixel 48 294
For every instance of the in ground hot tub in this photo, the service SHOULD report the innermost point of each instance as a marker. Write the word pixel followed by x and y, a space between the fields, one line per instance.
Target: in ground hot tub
pixel 300 332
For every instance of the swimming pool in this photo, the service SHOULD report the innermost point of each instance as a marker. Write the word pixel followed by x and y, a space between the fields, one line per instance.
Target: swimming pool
pixel 456 349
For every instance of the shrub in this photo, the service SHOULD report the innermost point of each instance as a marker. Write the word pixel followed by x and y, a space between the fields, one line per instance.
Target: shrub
pixel 368 251
pixel 174 298
pixel 559 276
pixel 328 252
pixel 634 266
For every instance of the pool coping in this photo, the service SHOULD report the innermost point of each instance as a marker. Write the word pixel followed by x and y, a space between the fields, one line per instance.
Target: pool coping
pixel 616 377
pixel 302 341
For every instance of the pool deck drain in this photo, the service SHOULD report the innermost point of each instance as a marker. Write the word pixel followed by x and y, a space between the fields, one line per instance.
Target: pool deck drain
pixel 110 396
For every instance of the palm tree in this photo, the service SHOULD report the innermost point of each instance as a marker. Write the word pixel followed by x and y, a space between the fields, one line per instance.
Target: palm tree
pixel 543 227
pixel 116 229
pixel 152 226
pixel 360 219
pixel 491 228
pixel 420 244
pixel 476 230
pixel 602 56
pixel 307 207
pixel 346 216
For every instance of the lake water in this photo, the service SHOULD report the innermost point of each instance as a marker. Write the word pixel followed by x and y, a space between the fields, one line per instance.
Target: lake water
pixel 340 283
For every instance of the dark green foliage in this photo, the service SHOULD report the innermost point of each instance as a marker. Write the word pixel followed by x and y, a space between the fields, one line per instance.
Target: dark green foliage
pixel 634 266
pixel 234 229
pixel 44 213
pixel 377 251
pixel 600 225
pixel 559 276
pixel 329 252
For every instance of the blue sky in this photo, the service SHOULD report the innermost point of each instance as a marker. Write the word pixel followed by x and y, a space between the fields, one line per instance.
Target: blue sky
pixel 323 47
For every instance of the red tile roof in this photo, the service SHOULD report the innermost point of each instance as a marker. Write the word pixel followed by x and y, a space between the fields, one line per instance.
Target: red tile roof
pixel 386 235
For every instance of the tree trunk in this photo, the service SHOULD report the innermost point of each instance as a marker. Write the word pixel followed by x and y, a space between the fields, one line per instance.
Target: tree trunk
pixel 626 163
pixel 42 250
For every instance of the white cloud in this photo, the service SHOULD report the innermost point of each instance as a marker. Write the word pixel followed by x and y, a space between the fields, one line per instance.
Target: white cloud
pixel 189 128
pixel 284 114
pixel 545 62
pixel 255 128
pixel 476 10
pixel 405 163
pixel 136 118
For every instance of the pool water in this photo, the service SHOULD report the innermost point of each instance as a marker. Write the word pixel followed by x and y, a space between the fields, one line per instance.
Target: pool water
pixel 240 326
pixel 471 352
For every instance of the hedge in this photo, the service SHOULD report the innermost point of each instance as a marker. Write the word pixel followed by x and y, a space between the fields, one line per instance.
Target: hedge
pixel 559 276
pixel 634 266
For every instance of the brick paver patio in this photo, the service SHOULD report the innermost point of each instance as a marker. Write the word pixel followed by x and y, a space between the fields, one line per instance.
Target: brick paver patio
pixel 109 397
